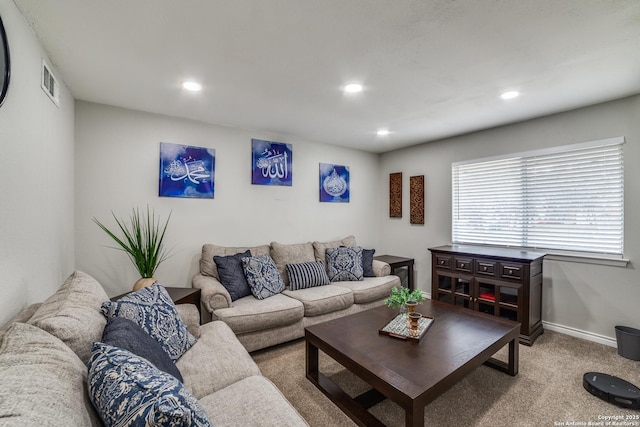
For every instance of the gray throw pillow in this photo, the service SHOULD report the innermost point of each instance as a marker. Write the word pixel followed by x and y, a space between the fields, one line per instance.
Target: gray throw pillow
pixel 344 263
pixel 367 262
pixel 231 274
pixel 123 333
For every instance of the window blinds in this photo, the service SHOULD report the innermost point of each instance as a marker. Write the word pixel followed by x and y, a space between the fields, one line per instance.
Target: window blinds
pixel 568 198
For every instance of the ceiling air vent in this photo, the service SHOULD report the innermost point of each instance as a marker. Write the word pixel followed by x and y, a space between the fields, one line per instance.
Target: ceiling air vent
pixel 50 84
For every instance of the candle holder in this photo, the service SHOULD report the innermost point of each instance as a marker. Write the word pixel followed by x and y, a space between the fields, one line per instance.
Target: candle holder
pixel 414 318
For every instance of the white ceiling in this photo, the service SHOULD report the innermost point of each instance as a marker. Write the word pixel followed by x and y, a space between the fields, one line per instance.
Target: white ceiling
pixel 430 68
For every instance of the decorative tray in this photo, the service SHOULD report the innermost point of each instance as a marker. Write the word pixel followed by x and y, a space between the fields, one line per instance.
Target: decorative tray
pixel 398 327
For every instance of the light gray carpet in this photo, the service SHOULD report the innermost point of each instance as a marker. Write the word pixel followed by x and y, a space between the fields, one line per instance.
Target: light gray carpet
pixel 547 391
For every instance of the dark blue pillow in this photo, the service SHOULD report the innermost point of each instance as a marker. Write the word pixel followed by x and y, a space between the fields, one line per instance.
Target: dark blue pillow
pixel 367 262
pixel 231 274
pixel 123 333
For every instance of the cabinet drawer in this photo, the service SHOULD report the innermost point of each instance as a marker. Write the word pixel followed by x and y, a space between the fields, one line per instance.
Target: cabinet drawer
pixel 443 261
pixel 486 268
pixel 464 264
pixel 512 271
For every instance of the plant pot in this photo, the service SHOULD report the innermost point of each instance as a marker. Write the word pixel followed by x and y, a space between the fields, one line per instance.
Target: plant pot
pixel 411 306
pixel 143 283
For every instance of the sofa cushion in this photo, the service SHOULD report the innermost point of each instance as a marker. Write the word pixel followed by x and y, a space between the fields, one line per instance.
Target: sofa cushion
pixel 129 390
pixel 232 274
pixel 367 262
pixel 291 254
pixel 319 248
pixel 253 401
pixel 307 275
pixel 262 275
pixel 208 266
pixel 249 314
pixel 344 263
pixel 42 381
pixel 73 314
pixel 153 310
pixel 123 333
pixel 371 288
pixel 216 361
pixel 322 299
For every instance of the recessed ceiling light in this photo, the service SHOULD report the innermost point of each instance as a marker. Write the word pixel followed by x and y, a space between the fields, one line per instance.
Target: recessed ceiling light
pixel 383 132
pixel 509 95
pixel 353 88
pixel 192 86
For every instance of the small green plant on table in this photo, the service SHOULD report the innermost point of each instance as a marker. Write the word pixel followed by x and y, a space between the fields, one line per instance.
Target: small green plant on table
pixel 399 297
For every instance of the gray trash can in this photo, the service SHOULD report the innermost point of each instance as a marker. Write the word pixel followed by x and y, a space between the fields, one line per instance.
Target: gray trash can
pixel 628 342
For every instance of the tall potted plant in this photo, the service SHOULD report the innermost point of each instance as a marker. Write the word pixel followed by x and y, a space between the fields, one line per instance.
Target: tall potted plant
pixel 142 238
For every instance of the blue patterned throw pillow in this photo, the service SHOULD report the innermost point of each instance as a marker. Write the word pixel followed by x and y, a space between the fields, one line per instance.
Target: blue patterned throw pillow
pixel 127 390
pixel 307 275
pixel 262 276
pixel 152 309
pixel 344 263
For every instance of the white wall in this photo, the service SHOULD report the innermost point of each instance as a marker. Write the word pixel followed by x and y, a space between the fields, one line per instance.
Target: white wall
pixel 117 159
pixel 587 298
pixel 116 168
pixel 36 175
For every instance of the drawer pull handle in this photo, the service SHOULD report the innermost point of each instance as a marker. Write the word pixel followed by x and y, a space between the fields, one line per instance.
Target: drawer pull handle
pixel 510 271
pixel 462 265
pixel 484 268
pixel 442 262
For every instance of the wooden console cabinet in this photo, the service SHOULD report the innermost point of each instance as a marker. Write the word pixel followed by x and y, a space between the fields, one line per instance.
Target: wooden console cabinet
pixel 501 282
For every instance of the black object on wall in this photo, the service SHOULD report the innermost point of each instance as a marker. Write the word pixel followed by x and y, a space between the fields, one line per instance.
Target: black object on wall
pixel 5 68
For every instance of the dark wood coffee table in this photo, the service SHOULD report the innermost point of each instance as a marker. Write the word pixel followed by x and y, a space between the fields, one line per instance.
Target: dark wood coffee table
pixel 410 374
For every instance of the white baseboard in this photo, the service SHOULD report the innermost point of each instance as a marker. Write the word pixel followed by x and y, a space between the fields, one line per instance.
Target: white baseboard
pixel 589 336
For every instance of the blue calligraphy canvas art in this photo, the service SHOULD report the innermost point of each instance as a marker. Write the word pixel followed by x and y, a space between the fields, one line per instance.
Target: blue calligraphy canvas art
pixel 271 163
pixel 186 171
pixel 334 183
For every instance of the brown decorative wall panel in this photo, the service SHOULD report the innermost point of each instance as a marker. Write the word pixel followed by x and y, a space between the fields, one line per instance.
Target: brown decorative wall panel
pixel 416 199
pixel 395 195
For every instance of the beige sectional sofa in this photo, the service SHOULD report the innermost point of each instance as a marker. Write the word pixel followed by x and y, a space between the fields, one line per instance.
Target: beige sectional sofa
pixel 283 317
pixel 45 349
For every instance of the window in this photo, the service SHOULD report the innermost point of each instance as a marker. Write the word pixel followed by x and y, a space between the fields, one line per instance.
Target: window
pixel 568 198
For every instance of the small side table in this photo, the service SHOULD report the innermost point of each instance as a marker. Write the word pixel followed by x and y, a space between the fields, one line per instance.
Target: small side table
pixel 178 296
pixel 399 262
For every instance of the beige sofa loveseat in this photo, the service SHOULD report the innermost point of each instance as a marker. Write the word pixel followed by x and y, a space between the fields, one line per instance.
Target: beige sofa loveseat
pixel 260 323
pixel 45 349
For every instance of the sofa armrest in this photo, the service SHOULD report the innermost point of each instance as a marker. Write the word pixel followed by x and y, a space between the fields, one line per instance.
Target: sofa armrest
pixel 191 317
pixel 381 268
pixel 213 295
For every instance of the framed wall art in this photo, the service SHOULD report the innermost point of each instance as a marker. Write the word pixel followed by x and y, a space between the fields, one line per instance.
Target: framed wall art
pixel 395 195
pixel 334 183
pixel 271 163
pixel 416 199
pixel 186 171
